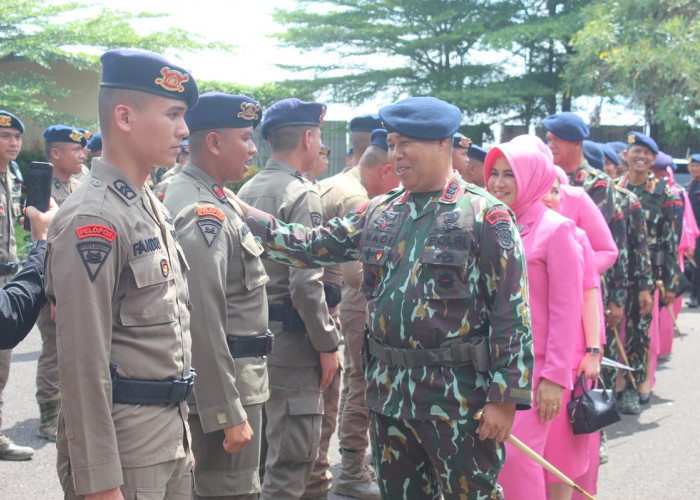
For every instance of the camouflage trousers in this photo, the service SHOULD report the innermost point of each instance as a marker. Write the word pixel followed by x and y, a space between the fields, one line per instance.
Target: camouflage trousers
pixel 429 458
pixel 636 342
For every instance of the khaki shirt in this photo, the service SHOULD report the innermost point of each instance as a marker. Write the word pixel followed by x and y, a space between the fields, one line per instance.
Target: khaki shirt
pixel 340 195
pixel 9 211
pixel 280 190
pixel 116 275
pixel 61 190
pixel 227 289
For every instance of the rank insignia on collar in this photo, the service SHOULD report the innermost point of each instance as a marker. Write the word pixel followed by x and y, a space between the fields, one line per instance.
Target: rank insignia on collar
pixel 580 175
pixel 93 254
pixel 172 80
pixel 5 121
pixel 218 192
pixel 210 229
pixel 124 189
pixel 76 136
pixel 450 193
pixel 164 268
pixel 249 111
pixel 57 183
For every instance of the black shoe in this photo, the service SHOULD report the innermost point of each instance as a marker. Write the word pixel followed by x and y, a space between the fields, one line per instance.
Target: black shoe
pixel 644 398
pixel 692 303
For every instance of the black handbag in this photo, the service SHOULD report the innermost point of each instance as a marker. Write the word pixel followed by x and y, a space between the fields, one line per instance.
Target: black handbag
pixel 592 409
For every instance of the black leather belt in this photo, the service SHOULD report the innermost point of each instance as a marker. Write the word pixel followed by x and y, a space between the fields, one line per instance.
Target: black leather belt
pixel 250 347
pixel 150 392
pixel 9 267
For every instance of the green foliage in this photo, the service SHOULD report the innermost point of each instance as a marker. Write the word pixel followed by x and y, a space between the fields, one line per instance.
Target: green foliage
pixel 266 94
pixel 646 51
pixel 45 32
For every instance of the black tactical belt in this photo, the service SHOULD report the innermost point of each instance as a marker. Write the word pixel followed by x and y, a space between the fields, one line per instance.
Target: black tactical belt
pixel 291 321
pixel 473 352
pixel 250 347
pixel 150 392
pixel 9 267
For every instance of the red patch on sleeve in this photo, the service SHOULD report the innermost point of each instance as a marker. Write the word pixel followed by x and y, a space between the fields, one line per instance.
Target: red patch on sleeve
pixel 636 206
pixel 669 204
pixel 215 212
pixel 619 215
pixel 96 231
pixel 600 183
pixel 494 217
pixel 580 175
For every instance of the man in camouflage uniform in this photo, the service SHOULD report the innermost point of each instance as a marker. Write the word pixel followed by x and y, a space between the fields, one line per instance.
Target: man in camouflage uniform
pixel 65 149
pixel 658 206
pixel 693 189
pixel 305 357
pixel 11 130
pixel 448 323
pixel 227 289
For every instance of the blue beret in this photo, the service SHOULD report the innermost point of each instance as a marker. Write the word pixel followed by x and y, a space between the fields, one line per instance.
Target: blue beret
pixel 460 141
pixel 219 110
pixel 477 153
pixel 292 112
pixel 147 72
pixel 95 142
pixel 567 126
pixel 593 154
pixel 639 139
pixel 610 152
pixel 695 157
pixel 662 161
pixel 378 138
pixel 365 123
pixel 351 151
pixel 64 133
pixel 618 146
pixel 8 120
pixel 423 118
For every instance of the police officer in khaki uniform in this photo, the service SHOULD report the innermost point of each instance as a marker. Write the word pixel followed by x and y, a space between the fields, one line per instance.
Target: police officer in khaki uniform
pixel 65 149
pixel 227 289
pixel 305 357
pixel 116 276
pixel 11 130
pixel 360 134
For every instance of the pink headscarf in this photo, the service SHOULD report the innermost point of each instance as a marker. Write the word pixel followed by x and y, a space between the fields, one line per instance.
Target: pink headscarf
pixel 561 175
pixel 531 161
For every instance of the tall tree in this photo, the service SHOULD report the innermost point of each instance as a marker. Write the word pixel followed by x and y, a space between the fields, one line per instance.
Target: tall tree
pixel 648 52
pixel 44 32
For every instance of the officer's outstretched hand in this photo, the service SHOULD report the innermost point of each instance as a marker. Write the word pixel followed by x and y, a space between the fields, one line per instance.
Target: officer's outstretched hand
pixel 41 220
pixel 237 437
pixel 329 367
pixel 496 421
pixel 113 494
pixel 244 206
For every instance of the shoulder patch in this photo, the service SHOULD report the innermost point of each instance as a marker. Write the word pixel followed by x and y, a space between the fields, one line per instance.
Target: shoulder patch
pixel 505 239
pixel 619 215
pixel 669 204
pixel 316 218
pixel 210 229
pixel 213 211
pixel 96 231
pixel 124 189
pixel 496 214
pixel 93 254
pixel 600 183
pixel 636 206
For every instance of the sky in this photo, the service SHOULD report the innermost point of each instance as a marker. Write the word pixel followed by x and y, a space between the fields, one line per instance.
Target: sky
pixel 247 25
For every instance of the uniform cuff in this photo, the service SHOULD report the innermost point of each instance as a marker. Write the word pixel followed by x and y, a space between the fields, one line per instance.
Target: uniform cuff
pixel 217 418
pixel 93 478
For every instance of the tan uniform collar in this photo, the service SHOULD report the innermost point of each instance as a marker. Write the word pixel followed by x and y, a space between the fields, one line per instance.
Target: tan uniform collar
pixel 273 164
pixel 198 174
pixel 116 180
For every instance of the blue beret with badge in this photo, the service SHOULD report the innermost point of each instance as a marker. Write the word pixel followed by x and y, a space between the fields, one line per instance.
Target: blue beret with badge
pixel 147 72
pixel 635 138
pixel 378 138
pixel 423 118
pixel 567 125
pixel 8 120
pixel 219 110
pixel 477 153
pixel 695 157
pixel 610 152
pixel 292 112
pixel 64 133
pixel 461 141
pixel 365 123
pixel 95 142
pixel 662 161
pixel 594 154
pixel 618 146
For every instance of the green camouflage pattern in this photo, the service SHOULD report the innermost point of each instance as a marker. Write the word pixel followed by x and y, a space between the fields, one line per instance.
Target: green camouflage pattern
pixel 438 268
pixel 598 186
pixel 424 458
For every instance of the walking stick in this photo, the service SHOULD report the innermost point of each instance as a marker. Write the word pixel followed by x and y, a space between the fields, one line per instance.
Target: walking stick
pixel 660 285
pixel 537 458
pixel 624 356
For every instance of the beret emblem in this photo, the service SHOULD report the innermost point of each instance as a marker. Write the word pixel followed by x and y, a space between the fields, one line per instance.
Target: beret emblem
pixel 323 113
pixel 76 136
pixel 631 138
pixel 249 111
pixel 5 121
pixel 172 80
pixel 465 142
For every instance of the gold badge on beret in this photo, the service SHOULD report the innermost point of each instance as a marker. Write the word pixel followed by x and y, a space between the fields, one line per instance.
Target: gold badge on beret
pixel 249 111
pixel 323 113
pixel 5 121
pixel 172 80
pixel 631 139
pixel 76 136
pixel 465 142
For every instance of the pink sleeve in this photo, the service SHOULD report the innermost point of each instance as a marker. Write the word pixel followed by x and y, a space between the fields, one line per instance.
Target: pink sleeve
pixel 591 278
pixel 690 227
pixel 565 302
pixel 599 235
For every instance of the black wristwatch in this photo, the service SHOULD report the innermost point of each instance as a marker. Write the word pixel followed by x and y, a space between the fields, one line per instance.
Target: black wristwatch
pixel 593 350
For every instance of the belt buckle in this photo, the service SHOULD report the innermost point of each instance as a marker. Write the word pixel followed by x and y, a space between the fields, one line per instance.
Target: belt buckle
pixel 269 342
pixel 179 391
pixel 397 357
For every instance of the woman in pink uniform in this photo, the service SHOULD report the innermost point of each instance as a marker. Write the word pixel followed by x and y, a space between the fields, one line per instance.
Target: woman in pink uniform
pixel 570 453
pixel 519 173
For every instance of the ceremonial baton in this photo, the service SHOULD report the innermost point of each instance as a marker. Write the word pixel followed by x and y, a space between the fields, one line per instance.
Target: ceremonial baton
pixel 616 364
pixel 537 458
pixel 660 285
pixel 624 355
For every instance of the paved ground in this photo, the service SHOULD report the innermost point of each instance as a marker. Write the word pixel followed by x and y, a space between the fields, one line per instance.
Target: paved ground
pixel 659 448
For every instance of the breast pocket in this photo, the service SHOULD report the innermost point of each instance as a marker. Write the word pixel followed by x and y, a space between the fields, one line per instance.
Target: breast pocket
pixel 255 275
pixel 373 270
pixel 151 297
pixel 444 274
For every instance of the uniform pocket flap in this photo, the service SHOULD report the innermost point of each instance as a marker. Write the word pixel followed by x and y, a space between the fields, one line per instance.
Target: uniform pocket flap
pixel 444 257
pixel 305 402
pixel 151 270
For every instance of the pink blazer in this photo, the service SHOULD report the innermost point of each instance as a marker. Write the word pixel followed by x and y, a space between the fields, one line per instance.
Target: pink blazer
pixel 555 274
pixel 578 206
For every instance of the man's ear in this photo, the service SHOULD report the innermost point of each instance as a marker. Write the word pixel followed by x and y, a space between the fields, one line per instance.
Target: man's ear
pixel 123 117
pixel 306 139
pixel 213 142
